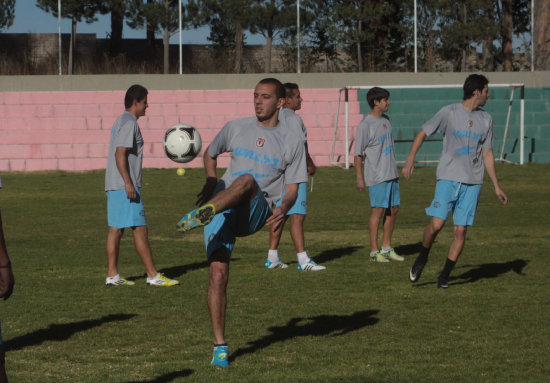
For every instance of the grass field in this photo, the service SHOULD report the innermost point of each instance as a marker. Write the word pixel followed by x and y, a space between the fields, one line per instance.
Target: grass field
pixel 355 322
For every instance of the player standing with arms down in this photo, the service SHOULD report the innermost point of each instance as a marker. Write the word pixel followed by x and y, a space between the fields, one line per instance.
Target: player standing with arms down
pixel 266 158
pixel 467 148
pixel 374 138
pixel 6 288
pixel 293 102
pixel 122 186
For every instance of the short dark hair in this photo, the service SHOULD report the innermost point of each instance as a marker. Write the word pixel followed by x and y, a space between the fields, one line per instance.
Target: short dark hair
pixel 474 82
pixel 376 94
pixel 279 87
pixel 135 92
pixel 289 87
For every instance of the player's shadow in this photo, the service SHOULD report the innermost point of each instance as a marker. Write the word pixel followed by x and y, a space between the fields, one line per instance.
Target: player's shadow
pixel 329 255
pixel 178 271
pixel 61 332
pixel 166 377
pixel 490 270
pixel 484 271
pixel 321 325
pixel 410 249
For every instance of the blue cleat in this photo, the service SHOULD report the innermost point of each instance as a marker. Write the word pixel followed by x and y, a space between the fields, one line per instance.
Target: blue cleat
pixel 196 218
pixel 275 265
pixel 220 356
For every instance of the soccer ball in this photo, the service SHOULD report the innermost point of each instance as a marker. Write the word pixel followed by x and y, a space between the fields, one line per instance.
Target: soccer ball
pixel 182 143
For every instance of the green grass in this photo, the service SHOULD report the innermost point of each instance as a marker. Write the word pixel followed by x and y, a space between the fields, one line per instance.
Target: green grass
pixel 355 322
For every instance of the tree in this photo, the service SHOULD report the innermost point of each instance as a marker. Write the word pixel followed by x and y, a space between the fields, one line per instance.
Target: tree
pixel 7 13
pixel 161 16
pixel 229 16
pixel 270 18
pixel 76 10
pixel 117 9
pixel 541 35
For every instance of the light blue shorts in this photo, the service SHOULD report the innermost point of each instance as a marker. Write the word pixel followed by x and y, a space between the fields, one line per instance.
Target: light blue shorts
pixel 385 194
pixel 237 222
pixel 123 212
pixel 454 196
pixel 300 206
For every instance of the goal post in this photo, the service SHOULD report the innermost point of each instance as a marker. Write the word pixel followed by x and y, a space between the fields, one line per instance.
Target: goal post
pixel 504 101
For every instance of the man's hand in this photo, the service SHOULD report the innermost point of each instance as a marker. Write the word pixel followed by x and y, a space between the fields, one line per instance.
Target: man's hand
pixel 408 169
pixel 130 191
pixel 360 184
pixel 207 191
pixel 6 282
pixel 277 217
pixel 501 195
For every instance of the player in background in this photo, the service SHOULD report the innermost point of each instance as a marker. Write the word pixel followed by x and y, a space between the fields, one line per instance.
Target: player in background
pixel 374 143
pixel 467 147
pixel 293 102
pixel 6 288
pixel 123 188
pixel 266 157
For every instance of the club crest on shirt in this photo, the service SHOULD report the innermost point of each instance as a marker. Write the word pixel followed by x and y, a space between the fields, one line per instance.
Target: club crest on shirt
pixel 385 127
pixel 470 123
pixel 260 142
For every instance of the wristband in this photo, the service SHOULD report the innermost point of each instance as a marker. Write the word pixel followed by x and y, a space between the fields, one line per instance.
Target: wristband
pixel 8 266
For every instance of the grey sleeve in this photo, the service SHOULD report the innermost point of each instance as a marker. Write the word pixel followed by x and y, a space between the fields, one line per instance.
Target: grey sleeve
pixel 126 134
pixel 488 142
pixel 221 143
pixel 438 123
pixel 296 172
pixel 360 139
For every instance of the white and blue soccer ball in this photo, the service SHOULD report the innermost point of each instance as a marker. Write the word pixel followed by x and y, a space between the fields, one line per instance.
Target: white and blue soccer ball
pixel 182 143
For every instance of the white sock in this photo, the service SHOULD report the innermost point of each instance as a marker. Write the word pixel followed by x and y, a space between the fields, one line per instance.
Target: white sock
pixel 273 255
pixel 302 257
pixel 373 253
pixel 386 249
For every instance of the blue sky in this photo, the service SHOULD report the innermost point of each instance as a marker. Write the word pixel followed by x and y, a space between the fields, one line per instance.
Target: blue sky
pixel 31 19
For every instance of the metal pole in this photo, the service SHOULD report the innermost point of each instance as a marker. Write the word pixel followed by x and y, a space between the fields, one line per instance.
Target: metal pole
pixel 346 110
pixel 298 35
pixel 522 127
pixel 59 33
pixel 532 35
pixel 181 62
pixel 415 40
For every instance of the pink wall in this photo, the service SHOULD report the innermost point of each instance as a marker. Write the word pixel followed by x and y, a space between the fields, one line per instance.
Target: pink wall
pixel 70 130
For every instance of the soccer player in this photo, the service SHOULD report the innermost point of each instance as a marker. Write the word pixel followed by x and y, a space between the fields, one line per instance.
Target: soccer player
pixel 467 148
pixel 374 141
pixel 6 288
pixel 267 157
pixel 122 186
pixel 293 102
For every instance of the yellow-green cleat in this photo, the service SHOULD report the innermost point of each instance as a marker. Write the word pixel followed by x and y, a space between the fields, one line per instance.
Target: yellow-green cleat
pixel 196 218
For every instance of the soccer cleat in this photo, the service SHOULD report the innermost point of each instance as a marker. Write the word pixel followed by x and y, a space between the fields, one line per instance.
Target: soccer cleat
pixel 416 269
pixel 161 280
pixel 391 254
pixel 117 281
pixel 196 218
pixel 275 265
pixel 219 357
pixel 442 283
pixel 310 266
pixel 379 257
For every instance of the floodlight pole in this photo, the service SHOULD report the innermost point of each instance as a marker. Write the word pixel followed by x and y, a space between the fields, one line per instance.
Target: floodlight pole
pixel 415 40
pixel 181 62
pixel 59 33
pixel 532 35
pixel 298 35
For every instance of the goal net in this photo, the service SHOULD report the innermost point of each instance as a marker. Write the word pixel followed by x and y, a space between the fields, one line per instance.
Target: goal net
pixel 412 105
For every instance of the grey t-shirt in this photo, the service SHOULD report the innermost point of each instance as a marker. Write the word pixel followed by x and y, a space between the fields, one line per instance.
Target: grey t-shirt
pixel 465 134
pixel 374 138
pixel 273 156
pixel 298 126
pixel 125 133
